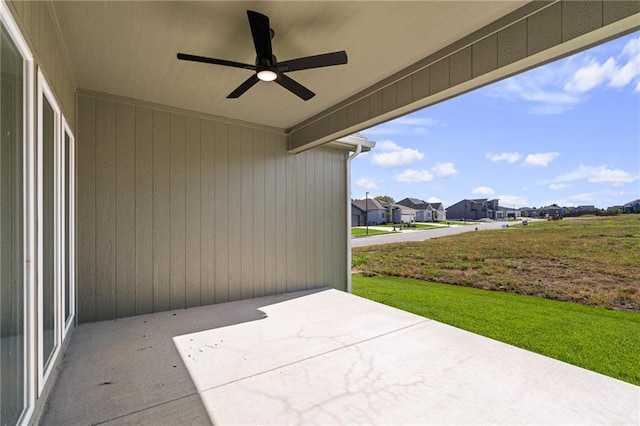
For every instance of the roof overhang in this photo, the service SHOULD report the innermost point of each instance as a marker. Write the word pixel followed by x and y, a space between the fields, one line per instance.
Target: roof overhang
pixel 351 143
pixel 403 55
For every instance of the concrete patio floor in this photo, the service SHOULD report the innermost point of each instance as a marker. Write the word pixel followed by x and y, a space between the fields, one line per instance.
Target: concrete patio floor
pixel 318 357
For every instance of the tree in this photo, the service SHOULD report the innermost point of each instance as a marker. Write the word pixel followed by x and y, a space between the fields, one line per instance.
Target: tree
pixel 385 198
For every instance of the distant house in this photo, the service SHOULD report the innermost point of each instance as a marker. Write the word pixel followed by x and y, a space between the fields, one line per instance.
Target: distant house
pixel 554 211
pixel 528 212
pixel 437 213
pixel 404 214
pixel 632 207
pixel 510 213
pixel 374 212
pixel 357 215
pixel 425 212
pixel 475 209
pixel 420 206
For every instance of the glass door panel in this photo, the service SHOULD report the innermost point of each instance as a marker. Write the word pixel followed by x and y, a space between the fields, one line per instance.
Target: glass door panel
pixel 48 231
pixel 12 339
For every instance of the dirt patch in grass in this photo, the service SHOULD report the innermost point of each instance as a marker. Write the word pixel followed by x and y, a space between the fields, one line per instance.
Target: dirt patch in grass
pixel 593 261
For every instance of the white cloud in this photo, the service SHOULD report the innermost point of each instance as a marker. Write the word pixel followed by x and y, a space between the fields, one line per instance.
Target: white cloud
pixel 616 72
pixel 433 200
pixel 393 155
pixel 365 182
pixel 590 76
pixel 411 176
pixel 541 159
pixel 483 190
pixel 512 201
pixel 541 86
pixel 509 157
pixel 559 87
pixel 556 186
pixel 444 169
pixel 600 174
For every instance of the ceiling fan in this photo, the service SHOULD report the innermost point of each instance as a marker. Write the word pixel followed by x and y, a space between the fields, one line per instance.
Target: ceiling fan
pixel 267 67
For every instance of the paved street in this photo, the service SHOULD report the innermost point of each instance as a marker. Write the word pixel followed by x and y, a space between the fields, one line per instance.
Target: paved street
pixel 426 234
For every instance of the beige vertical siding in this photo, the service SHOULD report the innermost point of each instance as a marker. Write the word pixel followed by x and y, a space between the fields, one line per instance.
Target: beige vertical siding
pixel 39 27
pixel 177 211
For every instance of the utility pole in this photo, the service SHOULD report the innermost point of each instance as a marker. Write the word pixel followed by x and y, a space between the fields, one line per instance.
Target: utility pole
pixel 366 212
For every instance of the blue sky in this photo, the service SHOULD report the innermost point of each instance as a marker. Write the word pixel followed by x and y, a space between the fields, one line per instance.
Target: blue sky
pixel 566 133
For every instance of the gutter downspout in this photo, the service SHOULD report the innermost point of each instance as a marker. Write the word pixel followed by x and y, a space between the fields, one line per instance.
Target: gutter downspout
pixel 351 157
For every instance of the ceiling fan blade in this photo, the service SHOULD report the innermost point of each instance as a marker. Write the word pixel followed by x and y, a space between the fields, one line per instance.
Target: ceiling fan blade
pixel 246 85
pixel 295 87
pixel 316 61
pixel 261 33
pixel 204 59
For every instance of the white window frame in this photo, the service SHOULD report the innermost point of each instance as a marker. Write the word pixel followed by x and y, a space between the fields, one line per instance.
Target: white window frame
pixel 66 130
pixel 45 366
pixel 29 307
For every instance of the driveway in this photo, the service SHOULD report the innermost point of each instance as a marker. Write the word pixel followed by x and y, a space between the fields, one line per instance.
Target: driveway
pixel 318 356
pixel 426 234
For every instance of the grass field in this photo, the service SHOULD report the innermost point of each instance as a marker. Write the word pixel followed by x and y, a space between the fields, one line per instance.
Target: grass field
pixel 593 261
pixel 594 338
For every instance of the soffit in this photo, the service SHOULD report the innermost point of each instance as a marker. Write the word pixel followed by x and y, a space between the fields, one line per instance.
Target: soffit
pixel 128 48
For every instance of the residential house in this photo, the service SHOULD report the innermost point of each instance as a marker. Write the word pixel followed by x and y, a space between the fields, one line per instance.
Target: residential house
pixel 585 209
pixel 528 212
pixel 133 182
pixel 404 214
pixel 436 213
pixel 554 211
pixel 421 207
pixel 375 212
pixel 357 215
pixel 632 207
pixel 510 213
pixel 475 209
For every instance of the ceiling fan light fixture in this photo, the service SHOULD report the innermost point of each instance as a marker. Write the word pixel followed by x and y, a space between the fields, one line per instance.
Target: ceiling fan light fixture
pixel 267 75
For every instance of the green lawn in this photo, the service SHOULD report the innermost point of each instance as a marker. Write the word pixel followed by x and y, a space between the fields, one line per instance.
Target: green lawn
pixel 362 232
pixel 419 225
pixel 594 338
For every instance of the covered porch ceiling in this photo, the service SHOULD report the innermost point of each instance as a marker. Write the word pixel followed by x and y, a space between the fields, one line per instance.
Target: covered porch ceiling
pixel 128 48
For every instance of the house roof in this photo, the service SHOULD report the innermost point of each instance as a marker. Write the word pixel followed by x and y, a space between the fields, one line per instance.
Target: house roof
pixel 415 203
pixel 404 208
pixel 369 204
pixel 355 206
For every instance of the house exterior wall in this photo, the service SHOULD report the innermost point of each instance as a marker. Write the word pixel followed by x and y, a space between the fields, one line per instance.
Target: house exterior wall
pixel 39 28
pixel 177 211
pixel 461 210
pixel 376 216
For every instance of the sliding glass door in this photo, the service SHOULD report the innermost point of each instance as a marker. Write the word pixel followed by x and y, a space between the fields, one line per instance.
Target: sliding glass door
pixel 15 233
